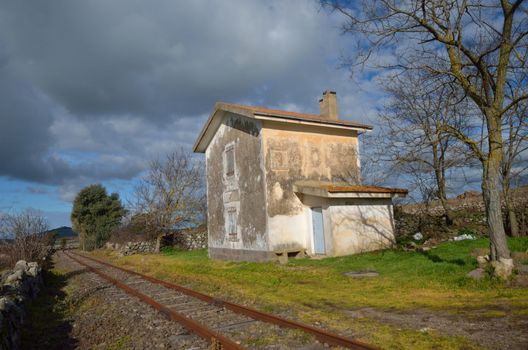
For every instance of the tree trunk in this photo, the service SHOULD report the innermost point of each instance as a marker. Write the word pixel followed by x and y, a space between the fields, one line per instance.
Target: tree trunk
pixel 439 167
pixel 491 194
pixel 513 226
pixel 443 200
pixel 158 244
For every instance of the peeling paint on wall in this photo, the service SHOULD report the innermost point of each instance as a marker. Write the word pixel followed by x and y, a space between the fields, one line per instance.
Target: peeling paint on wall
pixel 308 154
pixel 242 192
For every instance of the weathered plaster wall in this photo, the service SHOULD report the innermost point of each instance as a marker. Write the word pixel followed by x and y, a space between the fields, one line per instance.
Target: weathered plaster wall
pixel 243 191
pixel 360 225
pixel 302 152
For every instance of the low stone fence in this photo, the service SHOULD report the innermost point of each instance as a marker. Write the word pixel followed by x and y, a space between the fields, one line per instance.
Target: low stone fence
pixel 187 239
pixel 191 239
pixel 130 248
pixel 17 286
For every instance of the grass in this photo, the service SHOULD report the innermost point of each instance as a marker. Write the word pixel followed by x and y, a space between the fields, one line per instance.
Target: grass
pixel 316 290
pixel 48 325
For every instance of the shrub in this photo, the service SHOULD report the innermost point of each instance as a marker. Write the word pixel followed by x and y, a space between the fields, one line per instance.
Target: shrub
pixel 30 239
pixel 94 215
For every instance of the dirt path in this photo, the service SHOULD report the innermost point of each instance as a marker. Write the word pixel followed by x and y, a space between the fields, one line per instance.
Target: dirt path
pixel 504 332
pixel 78 310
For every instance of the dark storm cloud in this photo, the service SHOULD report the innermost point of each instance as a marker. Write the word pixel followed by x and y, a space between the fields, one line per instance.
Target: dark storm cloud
pixel 92 90
pixel 24 130
pixel 121 57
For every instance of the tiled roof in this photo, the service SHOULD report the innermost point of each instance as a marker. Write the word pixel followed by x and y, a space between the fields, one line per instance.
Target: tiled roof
pixel 344 190
pixel 361 189
pixel 295 115
pixel 262 113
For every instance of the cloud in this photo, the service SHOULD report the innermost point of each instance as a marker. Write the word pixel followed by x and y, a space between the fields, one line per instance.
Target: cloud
pixel 99 58
pixel 91 91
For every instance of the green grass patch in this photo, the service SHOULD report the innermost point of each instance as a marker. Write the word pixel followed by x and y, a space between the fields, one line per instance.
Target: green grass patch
pixel 48 324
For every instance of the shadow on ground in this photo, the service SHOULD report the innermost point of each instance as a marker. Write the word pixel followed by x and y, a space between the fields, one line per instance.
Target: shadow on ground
pixel 48 324
pixel 435 258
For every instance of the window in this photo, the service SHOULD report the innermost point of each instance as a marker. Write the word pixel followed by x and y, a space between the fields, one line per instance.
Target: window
pixel 230 161
pixel 232 223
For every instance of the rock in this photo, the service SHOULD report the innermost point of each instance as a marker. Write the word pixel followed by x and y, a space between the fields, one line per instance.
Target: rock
pixel 464 237
pixel 523 269
pixel 355 274
pixel 14 277
pixel 503 268
pixel 418 236
pixel 21 265
pixel 477 274
pixel 482 260
pixel 23 283
pixel 411 246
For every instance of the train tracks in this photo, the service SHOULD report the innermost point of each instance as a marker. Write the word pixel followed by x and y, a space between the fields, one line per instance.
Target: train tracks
pixel 223 324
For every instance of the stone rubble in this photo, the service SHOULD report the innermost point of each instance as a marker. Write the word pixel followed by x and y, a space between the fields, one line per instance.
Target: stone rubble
pixel 17 286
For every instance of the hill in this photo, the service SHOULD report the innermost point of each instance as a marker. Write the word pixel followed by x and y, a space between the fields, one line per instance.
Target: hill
pixel 64 232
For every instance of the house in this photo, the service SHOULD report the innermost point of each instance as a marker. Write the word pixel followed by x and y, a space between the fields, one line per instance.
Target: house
pixel 286 183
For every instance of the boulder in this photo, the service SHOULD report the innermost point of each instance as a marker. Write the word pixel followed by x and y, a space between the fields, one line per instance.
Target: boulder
pixel 21 265
pixel 14 277
pixel 477 274
pixel 503 268
pixel 418 236
pixel 482 260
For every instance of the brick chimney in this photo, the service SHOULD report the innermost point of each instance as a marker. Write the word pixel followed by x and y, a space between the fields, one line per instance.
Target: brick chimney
pixel 328 105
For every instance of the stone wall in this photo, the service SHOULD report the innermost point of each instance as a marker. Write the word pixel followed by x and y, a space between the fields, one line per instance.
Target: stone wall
pixel 188 239
pixel 191 239
pixel 130 248
pixel 467 211
pixel 18 286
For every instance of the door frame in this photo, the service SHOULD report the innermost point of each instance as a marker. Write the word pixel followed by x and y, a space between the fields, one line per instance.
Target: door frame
pixel 313 230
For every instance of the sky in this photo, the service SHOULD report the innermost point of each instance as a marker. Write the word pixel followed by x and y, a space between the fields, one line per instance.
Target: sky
pixel 91 91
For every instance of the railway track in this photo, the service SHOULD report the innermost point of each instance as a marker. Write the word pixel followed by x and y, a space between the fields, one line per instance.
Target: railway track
pixel 223 324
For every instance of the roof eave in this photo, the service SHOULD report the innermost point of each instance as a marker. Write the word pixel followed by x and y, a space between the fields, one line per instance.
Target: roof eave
pixel 198 147
pixel 202 142
pixel 323 123
pixel 325 193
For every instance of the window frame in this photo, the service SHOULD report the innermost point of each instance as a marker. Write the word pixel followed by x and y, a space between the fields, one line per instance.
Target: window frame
pixel 232 223
pixel 229 152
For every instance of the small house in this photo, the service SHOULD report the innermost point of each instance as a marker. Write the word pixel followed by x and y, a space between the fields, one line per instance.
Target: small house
pixel 287 183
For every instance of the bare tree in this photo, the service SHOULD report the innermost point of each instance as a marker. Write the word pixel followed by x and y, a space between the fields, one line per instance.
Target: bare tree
pixel 31 239
pixel 478 46
pixel 170 195
pixel 413 137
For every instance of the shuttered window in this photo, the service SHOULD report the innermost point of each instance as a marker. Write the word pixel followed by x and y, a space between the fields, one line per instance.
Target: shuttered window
pixel 230 161
pixel 232 222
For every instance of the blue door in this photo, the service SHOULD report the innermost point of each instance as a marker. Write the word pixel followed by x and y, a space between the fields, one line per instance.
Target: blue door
pixel 318 232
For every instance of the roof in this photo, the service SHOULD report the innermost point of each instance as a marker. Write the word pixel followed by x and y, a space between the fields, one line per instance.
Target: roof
pixel 344 190
pixel 268 114
pixel 362 189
